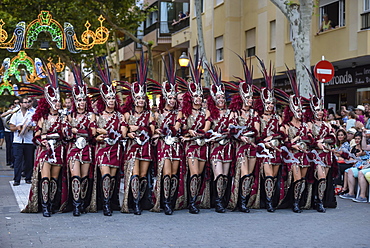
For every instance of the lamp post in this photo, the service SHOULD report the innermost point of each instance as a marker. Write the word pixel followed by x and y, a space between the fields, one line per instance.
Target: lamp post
pixel 184 62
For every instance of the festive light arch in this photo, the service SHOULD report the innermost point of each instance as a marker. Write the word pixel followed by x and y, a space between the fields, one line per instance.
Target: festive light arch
pixel 45 23
pixel 24 37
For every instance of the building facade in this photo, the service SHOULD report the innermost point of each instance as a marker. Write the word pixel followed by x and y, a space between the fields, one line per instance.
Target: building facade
pixel 259 28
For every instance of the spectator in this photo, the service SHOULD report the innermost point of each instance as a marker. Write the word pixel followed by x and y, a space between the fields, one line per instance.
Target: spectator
pixel 181 15
pixel 344 113
pixel 341 152
pixel 9 135
pixel 367 109
pixel 1 132
pixel 360 111
pixel 360 157
pixel 23 148
pixel 351 122
pixel 334 123
pixel 326 24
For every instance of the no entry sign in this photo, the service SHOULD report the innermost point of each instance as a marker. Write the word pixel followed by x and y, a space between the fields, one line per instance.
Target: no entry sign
pixel 324 71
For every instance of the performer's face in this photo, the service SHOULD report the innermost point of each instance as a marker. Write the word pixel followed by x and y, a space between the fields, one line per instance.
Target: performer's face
pixel 319 114
pixel 139 101
pixel 171 101
pixel 197 99
pixel 269 106
pixel 298 114
pixel 81 103
pixel 248 102
pixel 111 101
pixel 56 105
pixel 220 100
pixel 180 98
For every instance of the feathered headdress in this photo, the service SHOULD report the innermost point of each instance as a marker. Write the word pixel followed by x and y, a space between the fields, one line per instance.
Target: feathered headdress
pixel 138 88
pixel 267 93
pixel 246 87
pixel 295 102
pixel 51 90
pixel 317 99
pixel 79 89
pixel 217 87
pixel 107 89
pixel 195 85
pixel 169 86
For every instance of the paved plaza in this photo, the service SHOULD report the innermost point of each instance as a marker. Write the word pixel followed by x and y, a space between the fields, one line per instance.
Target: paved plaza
pixel 345 226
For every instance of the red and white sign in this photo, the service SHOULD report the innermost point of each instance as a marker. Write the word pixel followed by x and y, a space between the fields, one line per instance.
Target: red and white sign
pixel 324 71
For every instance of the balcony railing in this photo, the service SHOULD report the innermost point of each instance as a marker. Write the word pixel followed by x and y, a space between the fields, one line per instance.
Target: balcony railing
pixel 365 20
pixel 174 27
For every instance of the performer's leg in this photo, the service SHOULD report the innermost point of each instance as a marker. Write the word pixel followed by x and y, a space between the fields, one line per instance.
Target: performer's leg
pixel 219 190
pixel 144 165
pixel 217 169
pixel 251 164
pixel 193 189
pixel 166 183
pixel 174 182
pixel 135 189
pixel 193 166
pixel 44 190
pixel 53 187
pixel 106 184
pixel 297 186
pixel 321 187
pixel 167 167
pixel 84 185
pixel 269 185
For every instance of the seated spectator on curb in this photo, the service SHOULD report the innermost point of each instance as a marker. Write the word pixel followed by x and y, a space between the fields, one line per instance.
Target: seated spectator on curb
pixel 341 152
pixel 352 173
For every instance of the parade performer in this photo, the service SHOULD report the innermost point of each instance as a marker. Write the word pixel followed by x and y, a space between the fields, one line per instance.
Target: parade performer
pixel 169 150
pixel 50 150
pixel 81 128
pixel 271 134
pixel 138 154
pixel 110 129
pixel 245 130
pixel 220 148
pixel 295 157
pixel 322 132
pixel 195 125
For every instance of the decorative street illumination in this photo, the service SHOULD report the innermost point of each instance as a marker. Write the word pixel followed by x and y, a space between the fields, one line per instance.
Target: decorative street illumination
pixel 184 60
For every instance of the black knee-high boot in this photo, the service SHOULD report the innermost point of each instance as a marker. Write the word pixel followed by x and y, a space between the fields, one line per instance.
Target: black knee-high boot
pixel 106 184
pixel 45 201
pixel 321 187
pixel 135 189
pixel 53 191
pixel 194 189
pixel 174 188
pixel 166 185
pixel 269 189
pixel 219 190
pixel 245 185
pixel 298 187
pixel 143 186
pixel 76 192
pixel 84 189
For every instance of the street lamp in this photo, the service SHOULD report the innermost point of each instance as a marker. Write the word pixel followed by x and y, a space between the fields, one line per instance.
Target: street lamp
pixel 184 62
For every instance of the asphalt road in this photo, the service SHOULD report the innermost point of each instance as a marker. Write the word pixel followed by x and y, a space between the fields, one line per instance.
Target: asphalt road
pixel 345 226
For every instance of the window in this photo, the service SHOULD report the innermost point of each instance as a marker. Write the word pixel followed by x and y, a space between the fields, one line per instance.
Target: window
pixel 140 34
pixel 335 9
pixel 170 15
pixel 219 44
pixel 273 35
pixel 251 42
pixel 151 18
pixel 219 2
pixel 366 5
pixel 202 7
pixel 365 17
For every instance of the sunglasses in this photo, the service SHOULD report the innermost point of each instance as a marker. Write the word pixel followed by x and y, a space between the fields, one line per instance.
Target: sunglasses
pixel 27 102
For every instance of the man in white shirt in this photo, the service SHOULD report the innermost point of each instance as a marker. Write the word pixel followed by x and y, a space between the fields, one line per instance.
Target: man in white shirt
pixel 23 149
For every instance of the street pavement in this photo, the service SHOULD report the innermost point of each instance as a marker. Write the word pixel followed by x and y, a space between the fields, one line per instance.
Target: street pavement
pixel 345 226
